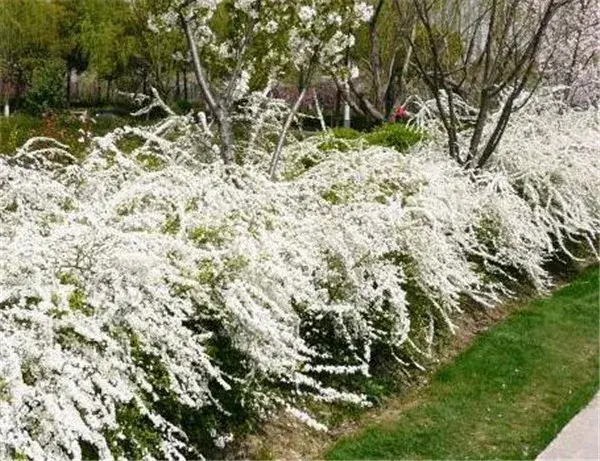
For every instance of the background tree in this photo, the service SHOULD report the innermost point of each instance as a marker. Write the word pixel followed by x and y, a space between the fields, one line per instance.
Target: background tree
pixel 303 34
pixel 28 36
pixel 381 58
pixel 493 61
pixel 158 56
pixel 71 14
pixel 47 89
pixel 571 51
pixel 108 37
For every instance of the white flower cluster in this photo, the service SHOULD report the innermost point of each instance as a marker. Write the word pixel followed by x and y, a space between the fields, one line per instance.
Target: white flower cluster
pixel 570 53
pixel 268 34
pixel 137 288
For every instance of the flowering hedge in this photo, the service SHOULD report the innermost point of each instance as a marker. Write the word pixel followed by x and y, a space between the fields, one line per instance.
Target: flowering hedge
pixel 153 304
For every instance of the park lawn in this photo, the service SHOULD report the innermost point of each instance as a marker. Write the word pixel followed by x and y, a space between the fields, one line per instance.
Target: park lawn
pixel 508 395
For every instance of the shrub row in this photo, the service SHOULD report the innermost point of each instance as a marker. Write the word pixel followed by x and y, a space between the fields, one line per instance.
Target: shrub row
pixel 160 310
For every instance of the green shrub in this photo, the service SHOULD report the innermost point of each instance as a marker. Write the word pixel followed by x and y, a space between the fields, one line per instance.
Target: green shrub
pixel 183 106
pixel 339 138
pixel 209 235
pixel 4 391
pixel 16 130
pixel 129 143
pixel 172 225
pixel 105 122
pixel 345 133
pixel 47 89
pixel 395 135
pixel 338 194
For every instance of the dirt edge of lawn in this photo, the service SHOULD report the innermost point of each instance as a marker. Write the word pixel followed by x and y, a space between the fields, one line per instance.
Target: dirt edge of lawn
pixel 285 438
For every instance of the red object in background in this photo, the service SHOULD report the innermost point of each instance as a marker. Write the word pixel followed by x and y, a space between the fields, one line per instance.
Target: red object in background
pixel 400 114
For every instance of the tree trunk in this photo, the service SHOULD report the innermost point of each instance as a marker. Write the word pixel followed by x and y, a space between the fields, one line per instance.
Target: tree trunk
pixel 320 112
pixel 218 108
pixel 226 132
pixel 98 91
pixel 338 104
pixel 283 135
pixel 347 122
pixel 369 109
pixel 7 108
pixel 68 87
pixel 406 65
pixel 185 85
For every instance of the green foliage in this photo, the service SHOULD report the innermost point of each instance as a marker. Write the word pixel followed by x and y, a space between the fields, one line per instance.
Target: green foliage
pixel 69 279
pixel 135 437
pixel 337 194
pixel 323 333
pixel 67 337
pixel 106 24
pixel 341 132
pixel 395 135
pixel 448 45
pixel 77 299
pixel 105 124
pixel 28 36
pixel 77 302
pixel 508 395
pixel 70 14
pixel 206 235
pixel 12 207
pixel 19 456
pixel 28 371
pixel 47 89
pixel 3 390
pixel 183 107
pixel 150 162
pixel 65 128
pixel 388 188
pixel 337 283
pixel 128 144
pixel 331 196
pixel 338 139
pixel 120 46
pixel 172 225
pixel 16 130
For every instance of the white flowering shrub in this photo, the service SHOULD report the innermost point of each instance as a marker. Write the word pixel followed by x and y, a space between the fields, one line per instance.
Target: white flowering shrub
pixel 155 304
pixel 570 53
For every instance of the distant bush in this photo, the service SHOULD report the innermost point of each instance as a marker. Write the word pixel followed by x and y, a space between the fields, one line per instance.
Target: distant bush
pixel 47 89
pixel 183 106
pixel 395 135
pixel 15 130
pixel 341 139
pixel 345 133
pixel 65 127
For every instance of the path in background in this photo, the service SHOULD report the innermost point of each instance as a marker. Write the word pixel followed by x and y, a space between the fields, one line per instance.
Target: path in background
pixel 580 438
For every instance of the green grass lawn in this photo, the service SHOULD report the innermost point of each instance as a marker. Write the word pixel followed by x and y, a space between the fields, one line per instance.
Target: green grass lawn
pixel 508 395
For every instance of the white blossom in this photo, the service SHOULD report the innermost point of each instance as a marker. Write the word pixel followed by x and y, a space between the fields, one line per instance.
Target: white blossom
pixel 121 280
